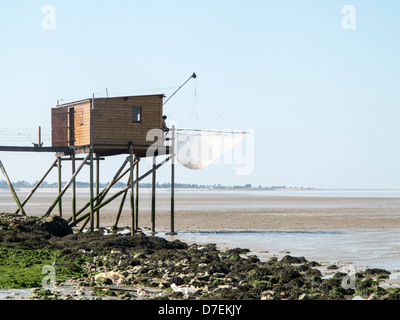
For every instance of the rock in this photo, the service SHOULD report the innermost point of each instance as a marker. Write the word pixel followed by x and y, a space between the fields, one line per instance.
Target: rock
pixel 184 290
pixel 142 292
pixel 313 264
pixel 80 292
pixel 56 226
pixel 112 276
pixel 217 267
pixel 288 274
pixel 304 296
pixel 139 256
pixel 267 295
pixel 289 259
pixel 237 251
pixel 205 277
pixel 373 296
pixel 103 281
pixel 375 271
pixel 116 252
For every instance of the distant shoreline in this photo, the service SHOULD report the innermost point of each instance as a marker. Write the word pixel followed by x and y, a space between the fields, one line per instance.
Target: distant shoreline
pixel 83 185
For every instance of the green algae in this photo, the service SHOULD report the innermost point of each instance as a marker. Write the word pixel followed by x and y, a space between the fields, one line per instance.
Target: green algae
pixel 21 268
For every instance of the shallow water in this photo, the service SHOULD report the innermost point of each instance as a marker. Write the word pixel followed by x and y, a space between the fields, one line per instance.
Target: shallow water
pixel 371 248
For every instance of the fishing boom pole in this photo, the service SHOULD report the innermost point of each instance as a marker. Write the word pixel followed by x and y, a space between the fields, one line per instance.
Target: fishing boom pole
pixel 194 76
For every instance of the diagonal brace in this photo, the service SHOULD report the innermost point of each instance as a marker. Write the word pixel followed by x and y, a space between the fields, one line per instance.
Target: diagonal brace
pixel 66 186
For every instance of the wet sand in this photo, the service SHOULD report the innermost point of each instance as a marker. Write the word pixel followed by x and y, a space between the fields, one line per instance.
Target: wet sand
pixel 196 211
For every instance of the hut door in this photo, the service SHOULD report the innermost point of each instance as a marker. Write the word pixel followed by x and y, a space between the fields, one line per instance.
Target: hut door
pixel 59 127
pixel 71 129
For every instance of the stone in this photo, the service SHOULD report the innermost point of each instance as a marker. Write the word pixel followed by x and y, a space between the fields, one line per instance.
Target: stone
pixel 304 296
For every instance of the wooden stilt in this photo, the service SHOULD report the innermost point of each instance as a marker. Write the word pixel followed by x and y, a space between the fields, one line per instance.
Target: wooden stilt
pixel 121 205
pixel 172 232
pixel 37 185
pixel 59 186
pixel 91 192
pixel 12 189
pixel 73 163
pixel 137 197
pixel 153 198
pixel 102 194
pixel 117 194
pixel 132 188
pixel 97 190
pixel 91 167
pixel 84 224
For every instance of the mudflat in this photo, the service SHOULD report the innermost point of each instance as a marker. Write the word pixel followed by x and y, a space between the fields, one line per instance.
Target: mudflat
pixel 233 211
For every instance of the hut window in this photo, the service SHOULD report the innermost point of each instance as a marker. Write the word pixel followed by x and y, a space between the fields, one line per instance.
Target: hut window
pixel 137 114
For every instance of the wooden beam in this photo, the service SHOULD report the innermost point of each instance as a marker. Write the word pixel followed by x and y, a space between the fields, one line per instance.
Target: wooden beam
pixel 132 186
pixel 91 192
pixel 153 198
pixel 137 197
pixel 121 206
pixel 12 189
pixel 59 185
pixel 97 191
pixel 73 188
pixel 65 150
pixel 172 232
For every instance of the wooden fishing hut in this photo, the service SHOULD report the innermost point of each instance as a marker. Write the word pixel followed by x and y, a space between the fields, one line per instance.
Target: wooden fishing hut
pixel 97 128
pixel 101 127
pixel 107 125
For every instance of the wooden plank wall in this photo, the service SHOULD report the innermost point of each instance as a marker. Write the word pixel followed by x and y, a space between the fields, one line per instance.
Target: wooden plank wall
pixel 113 120
pixel 82 123
pixel 59 127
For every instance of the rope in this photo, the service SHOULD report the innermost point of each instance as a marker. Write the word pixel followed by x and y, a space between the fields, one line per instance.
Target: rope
pixel 24 135
pixel 212 110
pixel 210 131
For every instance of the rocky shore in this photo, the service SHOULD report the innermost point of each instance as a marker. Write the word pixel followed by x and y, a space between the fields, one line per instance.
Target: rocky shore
pixel 117 266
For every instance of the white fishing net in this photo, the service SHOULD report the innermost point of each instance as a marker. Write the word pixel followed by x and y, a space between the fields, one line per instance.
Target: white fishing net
pixel 196 149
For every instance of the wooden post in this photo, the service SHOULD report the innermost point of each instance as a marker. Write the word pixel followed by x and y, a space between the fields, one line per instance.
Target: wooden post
pixel 97 190
pixel 121 205
pixel 172 232
pixel 91 192
pixel 40 137
pixel 153 198
pixel 59 186
pixel 12 189
pixel 137 197
pixel 132 188
pixel 91 165
pixel 73 188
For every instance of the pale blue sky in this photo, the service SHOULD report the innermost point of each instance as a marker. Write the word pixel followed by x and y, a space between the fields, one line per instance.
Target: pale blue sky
pixel 323 101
